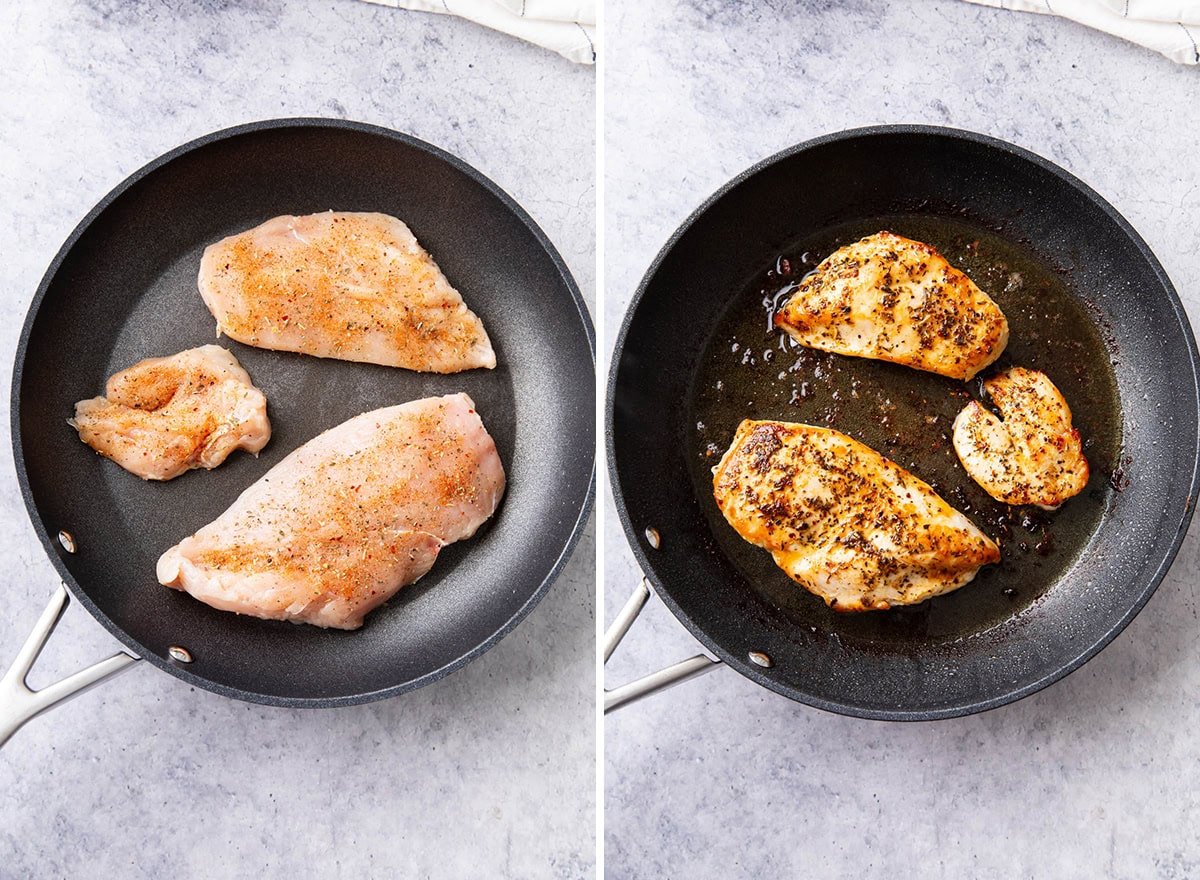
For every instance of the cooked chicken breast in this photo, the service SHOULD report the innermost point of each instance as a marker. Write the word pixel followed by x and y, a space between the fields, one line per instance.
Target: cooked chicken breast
pixel 357 287
pixel 893 299
pixel 341 524
pixel 166 415
pixel 1030 453
pixel 841 520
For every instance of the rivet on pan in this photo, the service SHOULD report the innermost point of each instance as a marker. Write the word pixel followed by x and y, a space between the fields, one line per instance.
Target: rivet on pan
pixel 761 659
pixel 182 655
pixel 653 537
pixel 68 542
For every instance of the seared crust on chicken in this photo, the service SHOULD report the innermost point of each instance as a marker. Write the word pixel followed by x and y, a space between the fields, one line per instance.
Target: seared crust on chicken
pixel 841 520
pixel 1030 453
pixel 893 299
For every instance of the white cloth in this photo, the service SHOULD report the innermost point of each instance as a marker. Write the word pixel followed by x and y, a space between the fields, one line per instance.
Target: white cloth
pixel 582 11
pixel 1157 10
pixel 567 27
pixel 1172 28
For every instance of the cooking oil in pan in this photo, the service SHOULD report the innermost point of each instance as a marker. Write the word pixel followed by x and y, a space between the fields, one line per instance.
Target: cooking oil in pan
pixel 751 370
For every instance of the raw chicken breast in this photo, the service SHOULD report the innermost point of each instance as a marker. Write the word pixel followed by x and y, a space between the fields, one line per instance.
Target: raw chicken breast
pixel 841 520
pixel 357 287
pixel 1030 453
pixel 341 524
pixel 164 416
pixel 893 299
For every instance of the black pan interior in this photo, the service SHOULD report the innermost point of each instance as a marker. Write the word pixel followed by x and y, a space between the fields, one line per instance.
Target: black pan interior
pixel 749 366
pixel 1087 303
pixel 124 288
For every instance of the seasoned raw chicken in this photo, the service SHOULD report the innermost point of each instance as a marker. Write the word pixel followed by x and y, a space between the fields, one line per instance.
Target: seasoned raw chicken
pixel 357 287
pixel 341 524
pixel 843 521
pixel 164 416
pixel 1030 454
pixel 893 299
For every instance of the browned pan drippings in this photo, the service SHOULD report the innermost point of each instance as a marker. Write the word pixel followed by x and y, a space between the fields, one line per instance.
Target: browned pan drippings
pixel 750 370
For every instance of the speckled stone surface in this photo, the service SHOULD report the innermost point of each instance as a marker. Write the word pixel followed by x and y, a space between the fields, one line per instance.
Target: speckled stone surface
pixel 1095 777
pixel 489 772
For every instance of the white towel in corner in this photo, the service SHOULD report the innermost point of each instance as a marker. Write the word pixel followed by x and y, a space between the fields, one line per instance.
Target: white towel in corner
pixel 582 11
pixel 1157 10
pixel 1172 28
pixel 567 27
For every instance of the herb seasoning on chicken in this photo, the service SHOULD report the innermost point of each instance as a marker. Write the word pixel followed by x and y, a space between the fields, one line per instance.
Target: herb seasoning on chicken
pixel 894 299
pixel 164 416
pixel 356 287
pixel 841 520
pixel 340 525
pixel 1030 453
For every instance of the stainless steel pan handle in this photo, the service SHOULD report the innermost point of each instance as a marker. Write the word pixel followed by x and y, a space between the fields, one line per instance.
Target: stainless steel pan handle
pixel 655 681
pixel 19 703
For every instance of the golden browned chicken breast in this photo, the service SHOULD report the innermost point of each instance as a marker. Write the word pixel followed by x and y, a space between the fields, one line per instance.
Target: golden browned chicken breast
pixel 341 524
pixel 843 521
pixel 1030 453
pixel 894 299
pixel 356 287
pixel 164 416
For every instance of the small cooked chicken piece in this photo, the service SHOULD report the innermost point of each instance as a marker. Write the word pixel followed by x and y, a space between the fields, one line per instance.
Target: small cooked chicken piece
pixel 167 415
pixel 841 520
pixel 356 287
pixel 894 299
pixel 1030 453
pixel 340 525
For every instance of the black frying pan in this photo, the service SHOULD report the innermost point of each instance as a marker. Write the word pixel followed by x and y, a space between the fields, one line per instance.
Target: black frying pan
pixel 1087 303
pixel 123 288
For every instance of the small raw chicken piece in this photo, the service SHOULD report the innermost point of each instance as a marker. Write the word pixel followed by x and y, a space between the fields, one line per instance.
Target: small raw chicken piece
pixel 1030 454
pixel 167 415
pixel 893 299
pixel 843 521
pixel 341 524
pixel 356 287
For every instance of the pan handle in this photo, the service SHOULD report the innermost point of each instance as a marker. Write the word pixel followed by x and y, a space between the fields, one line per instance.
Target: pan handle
pixel 18 702
pixel 650 684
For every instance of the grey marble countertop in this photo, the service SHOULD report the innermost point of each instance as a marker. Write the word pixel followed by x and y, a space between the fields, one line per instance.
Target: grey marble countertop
pixel 1094 777
pixel 486 773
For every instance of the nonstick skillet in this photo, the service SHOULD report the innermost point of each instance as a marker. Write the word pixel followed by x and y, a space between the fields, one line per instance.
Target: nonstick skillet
pixel 123 288
pixel 1087 303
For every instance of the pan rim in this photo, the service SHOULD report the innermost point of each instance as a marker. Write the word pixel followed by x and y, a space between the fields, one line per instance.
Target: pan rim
pixel 48 543
pixel 741 664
